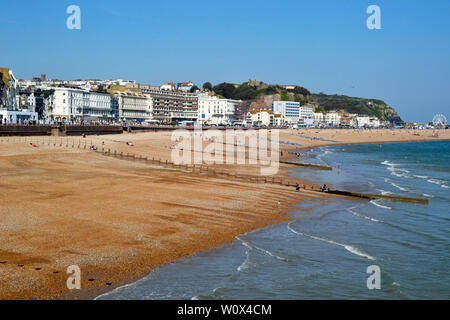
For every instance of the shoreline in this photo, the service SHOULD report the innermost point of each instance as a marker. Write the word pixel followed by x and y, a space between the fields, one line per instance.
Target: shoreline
pixel 123 276
pixel 288 212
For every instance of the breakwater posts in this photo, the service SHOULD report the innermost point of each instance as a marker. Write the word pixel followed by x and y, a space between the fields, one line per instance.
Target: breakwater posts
pixel 309 165
pixel 373 196
pixel 206 170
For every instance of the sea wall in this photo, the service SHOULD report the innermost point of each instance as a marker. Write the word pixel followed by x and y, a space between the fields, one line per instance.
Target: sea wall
pixel 57 130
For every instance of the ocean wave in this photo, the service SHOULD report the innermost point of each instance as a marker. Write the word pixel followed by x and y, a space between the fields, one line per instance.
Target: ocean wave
pixel 437 181
pixel 347 247
pixel 374 202
pixel 395 171
pixel 441 183
pixel 384 192
pixel 395 185
pixel 212 295
pixel 399 187
pixel 388 163
pixel 121 288
pixel 246 264
pixel 359 215
pixel 250 246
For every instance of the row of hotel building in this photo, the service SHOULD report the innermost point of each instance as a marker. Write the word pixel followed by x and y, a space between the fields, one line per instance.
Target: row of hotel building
pixel 127 102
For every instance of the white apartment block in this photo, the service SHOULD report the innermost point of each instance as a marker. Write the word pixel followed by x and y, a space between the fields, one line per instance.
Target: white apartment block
pixel 264 118
pixel 133 107
pixel 318 118
pixel 75 104
pixel 307 116
pixel 212 110
pixel 289 110
pixel 365 121
pixel 332 118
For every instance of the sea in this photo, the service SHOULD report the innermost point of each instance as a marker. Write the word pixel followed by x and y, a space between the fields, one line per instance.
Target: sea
pixel 331 247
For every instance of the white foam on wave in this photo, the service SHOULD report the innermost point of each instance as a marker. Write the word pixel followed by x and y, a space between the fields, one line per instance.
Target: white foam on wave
pixel 441 183
pixel 250 246
pixel 245 265
pixel 349 248
pixel 436 181
pixel 359 215
pixel 118 289
pixel 421 177
pixel 384 192
pixel 395 171
pixel 395 185
pixel 374 202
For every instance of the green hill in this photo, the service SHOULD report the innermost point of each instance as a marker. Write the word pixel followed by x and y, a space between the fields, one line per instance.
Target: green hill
pixel 254 91
pixel 370 107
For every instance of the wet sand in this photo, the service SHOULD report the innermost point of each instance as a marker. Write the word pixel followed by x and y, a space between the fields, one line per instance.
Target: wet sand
pixel 118 219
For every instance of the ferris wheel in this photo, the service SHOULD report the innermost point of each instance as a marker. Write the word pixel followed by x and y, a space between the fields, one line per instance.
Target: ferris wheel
pixel 440 120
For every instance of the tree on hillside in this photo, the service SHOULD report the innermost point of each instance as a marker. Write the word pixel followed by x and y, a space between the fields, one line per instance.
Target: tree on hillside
pixel 301 90
pixel 207 86
pixel 224 89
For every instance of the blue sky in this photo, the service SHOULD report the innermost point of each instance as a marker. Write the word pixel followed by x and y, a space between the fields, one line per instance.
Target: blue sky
pixel 323 45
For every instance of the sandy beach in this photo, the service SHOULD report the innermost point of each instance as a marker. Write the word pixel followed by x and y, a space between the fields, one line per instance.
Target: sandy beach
pixel 118 219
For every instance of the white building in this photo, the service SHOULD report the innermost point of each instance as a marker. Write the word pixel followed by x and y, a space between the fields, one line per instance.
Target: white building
pixel 365 121
pixel 289 110
pixel 332 118
pixel 75 104
pixel 318 118
pixel 265 118
pixel 306 116
pixel 212 110
pixel 17 117
pixel 168 87
pixel 132 107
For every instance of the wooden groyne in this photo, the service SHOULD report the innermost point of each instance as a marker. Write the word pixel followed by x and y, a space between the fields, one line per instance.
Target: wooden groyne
pixel 309 165
pixel 205 169
pixel 373 196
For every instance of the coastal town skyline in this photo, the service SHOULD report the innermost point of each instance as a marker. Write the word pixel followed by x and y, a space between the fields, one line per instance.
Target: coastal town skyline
pixel 328 47
pixel 41 100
